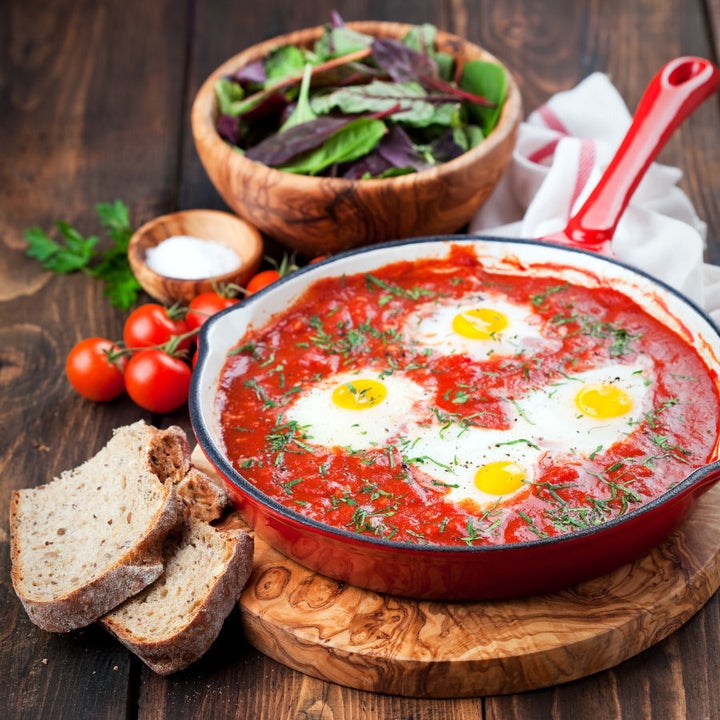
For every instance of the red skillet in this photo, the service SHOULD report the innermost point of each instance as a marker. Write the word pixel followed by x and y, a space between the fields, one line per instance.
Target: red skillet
pixel 496 571
pixel 672 95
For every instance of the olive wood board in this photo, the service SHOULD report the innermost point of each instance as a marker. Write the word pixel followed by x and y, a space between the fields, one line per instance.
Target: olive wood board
pixel 435 649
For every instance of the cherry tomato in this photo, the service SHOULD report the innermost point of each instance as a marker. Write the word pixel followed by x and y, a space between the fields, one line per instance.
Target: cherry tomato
pixel 318 258
pixel 157 381
pixel 93 373
pixel 152 325
pixel 204 306
pixel 262 280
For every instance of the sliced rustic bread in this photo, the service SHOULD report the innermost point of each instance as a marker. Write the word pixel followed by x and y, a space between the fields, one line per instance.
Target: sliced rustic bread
pixel 175 620
pixel 92 537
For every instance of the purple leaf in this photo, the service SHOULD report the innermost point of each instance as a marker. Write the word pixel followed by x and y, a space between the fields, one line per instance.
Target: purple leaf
pixel 445 148
pixel 402 63
pixel 397 148
pixel 273 104
pixel 371 165
pixel 228 128
pixel 278 148
pixel 348 74
pixel 252 73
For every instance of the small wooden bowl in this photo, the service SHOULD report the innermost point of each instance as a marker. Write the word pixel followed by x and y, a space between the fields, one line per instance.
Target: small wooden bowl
pixel 323 215
pixel 215 225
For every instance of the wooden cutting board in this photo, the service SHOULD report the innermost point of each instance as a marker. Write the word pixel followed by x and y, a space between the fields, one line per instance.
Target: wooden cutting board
pixel 418 648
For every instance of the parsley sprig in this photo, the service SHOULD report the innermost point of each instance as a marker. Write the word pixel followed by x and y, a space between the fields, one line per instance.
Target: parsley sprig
pixel 72 252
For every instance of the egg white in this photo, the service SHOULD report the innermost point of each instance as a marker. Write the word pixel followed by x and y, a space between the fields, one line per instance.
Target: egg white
pixel 452 456
pixel 557 423
pixel 327 424
pixel 431 326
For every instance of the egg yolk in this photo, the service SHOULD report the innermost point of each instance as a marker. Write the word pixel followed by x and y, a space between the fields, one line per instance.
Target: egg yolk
pixel 603 401
pixel 501 477
pixel 479 323
pixel 359 394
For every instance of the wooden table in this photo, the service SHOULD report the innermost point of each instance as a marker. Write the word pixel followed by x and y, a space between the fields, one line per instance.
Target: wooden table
pixel 94 105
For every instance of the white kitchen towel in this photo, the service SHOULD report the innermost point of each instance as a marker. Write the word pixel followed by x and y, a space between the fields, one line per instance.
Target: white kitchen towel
pixel 562 149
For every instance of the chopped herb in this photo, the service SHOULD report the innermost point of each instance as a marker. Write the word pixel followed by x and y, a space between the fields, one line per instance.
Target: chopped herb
pixel 531 524
pixel 397 290
pixel 287 437
pixel 663 442
pixel 520 441
pixel 620 337
pixel 538 300
pixel 260 393
pixel 288 486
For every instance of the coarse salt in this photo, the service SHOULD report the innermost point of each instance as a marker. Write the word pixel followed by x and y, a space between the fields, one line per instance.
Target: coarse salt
pixel 190 258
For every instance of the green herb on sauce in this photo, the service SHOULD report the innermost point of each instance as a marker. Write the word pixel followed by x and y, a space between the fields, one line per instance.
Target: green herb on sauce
pixel 531 525
pixel 260 393
pixel 539 299
pixel 619 338
pixel 486 524
pixel 289 485
pixel 393 290
pixel 285 437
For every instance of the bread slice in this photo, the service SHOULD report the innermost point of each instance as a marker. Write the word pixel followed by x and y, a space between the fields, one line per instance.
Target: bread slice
pixel 174 622
pixel 92 537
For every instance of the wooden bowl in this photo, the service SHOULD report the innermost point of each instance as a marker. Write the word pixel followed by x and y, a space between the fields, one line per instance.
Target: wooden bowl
pixel 322 215
pixel 210 225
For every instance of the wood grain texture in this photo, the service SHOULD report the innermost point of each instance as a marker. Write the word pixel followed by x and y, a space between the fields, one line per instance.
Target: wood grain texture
pixel 94 105
pixel 399 646
pixel 213 225
pixel 74 131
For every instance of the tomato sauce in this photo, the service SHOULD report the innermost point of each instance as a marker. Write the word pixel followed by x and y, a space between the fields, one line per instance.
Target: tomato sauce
pixel 355 322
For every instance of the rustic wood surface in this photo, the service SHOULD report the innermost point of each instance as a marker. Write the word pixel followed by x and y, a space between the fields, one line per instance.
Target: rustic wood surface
pixel 94 105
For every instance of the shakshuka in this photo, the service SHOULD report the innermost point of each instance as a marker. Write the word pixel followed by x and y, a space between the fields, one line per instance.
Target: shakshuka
pixel 438 402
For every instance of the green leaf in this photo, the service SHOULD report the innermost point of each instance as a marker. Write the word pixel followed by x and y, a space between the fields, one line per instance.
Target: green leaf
pixel 380 97
pixel 71 253
pixel 335 42
pixel 422 39
pixel 121 286
pixel 303 112
pixel 284 62
pixel 229 95
pixel 488 80
pixel 115 218
pixel 40 246
pixel 468 136
pixel 350 142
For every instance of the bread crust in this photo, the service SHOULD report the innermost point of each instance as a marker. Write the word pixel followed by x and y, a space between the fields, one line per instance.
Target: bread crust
pixel 186 644
pixel 128 535
pixel 131 569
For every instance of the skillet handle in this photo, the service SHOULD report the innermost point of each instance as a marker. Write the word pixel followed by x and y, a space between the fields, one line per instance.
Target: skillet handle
pixel 672 95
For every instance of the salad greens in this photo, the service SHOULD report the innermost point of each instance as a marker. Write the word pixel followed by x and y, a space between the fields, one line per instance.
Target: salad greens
pixel 357 106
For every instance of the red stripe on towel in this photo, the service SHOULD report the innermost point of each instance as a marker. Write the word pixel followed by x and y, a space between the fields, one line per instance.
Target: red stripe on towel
pixel 586 161
pixel 553 122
